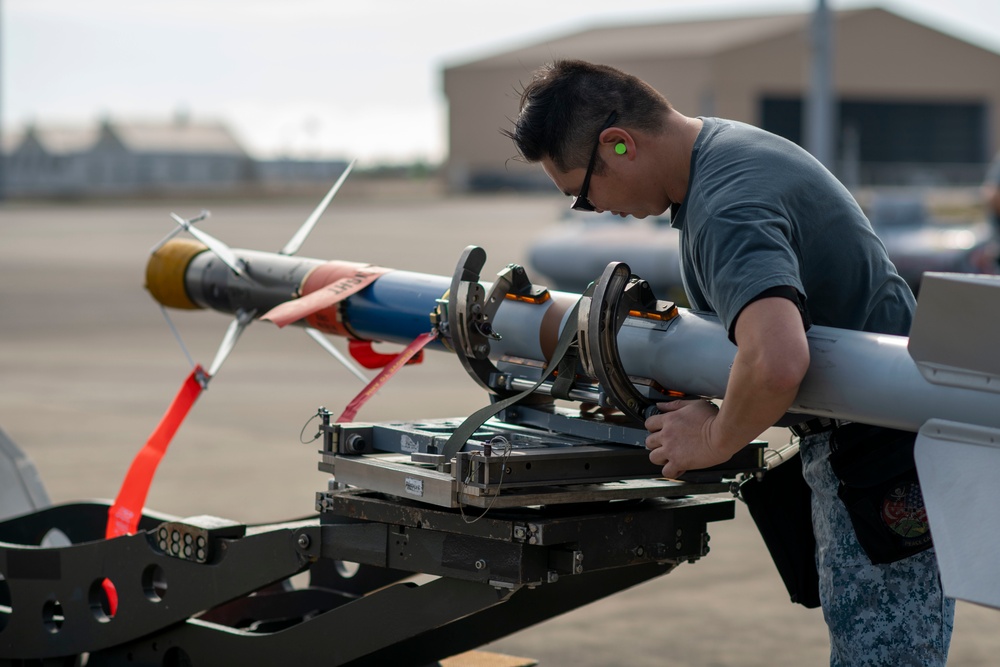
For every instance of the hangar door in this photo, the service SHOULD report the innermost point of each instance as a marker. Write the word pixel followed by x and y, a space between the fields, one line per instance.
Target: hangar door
pixel 897 142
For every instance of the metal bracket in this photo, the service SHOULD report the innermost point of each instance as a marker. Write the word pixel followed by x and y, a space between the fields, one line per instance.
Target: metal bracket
pixel 469 317
pixel 617 294
pixel 471 310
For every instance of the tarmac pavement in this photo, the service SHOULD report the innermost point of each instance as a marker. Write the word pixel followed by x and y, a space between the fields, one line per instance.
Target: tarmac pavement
pixel 88 366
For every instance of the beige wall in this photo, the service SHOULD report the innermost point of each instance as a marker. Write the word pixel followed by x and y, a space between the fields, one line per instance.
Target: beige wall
pixel 480 102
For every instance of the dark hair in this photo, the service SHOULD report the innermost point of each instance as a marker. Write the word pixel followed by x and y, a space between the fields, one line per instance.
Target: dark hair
pixel 564 105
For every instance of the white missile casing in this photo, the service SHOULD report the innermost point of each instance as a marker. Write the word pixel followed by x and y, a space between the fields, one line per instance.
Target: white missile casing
pixel 942 381
pixel 853 375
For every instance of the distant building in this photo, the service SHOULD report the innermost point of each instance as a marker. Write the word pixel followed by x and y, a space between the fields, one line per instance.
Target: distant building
pixel 116 158
pixel 280 172
pixel 915 105
pixel 125 158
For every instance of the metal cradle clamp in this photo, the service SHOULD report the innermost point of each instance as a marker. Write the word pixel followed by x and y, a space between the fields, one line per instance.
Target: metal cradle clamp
pixel 617 295
pixel 468 321
pixel 471 311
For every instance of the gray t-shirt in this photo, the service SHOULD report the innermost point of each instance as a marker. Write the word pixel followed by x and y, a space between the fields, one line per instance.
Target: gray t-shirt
pixel 760 212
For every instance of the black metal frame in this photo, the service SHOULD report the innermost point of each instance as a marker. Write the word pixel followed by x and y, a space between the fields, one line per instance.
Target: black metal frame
pixel 493 575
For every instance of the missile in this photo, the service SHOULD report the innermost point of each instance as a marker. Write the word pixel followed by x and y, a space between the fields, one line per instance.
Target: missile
pixel 855 376
pixel 942 381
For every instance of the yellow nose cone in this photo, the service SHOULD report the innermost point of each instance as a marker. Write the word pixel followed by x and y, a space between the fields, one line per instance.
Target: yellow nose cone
pixel 165 273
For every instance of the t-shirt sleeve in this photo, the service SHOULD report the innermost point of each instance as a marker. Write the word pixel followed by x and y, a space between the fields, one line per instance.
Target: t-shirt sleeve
pixel 781 291
pixel 745 250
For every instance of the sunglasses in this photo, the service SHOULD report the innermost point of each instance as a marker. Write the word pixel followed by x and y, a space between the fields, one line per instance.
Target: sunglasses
pixel 580 202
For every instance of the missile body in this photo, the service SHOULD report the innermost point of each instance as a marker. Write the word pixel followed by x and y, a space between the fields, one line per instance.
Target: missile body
pixel 395 308
pixel 853 375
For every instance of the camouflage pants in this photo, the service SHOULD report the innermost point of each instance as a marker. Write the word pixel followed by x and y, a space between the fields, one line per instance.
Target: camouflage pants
pixel 892 614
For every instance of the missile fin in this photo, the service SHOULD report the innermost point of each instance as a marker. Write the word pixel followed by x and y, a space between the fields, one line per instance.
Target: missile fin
pixel 233 333
pixel 958 466
pixel 176 230
pixel 220 249
pixel 325 343
pixel 956 331
pixel 21 488
pixel 299 237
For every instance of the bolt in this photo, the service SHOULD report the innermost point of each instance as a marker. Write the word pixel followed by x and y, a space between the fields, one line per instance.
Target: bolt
pixel 480 564
pixel 304 541
pixel 356 443
pixel 639 551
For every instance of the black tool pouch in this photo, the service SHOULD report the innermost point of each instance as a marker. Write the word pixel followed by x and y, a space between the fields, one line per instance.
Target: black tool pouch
pixel 879 487
pixel 780 504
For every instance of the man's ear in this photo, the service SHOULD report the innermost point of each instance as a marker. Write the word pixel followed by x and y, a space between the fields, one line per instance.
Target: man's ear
pixel 621 143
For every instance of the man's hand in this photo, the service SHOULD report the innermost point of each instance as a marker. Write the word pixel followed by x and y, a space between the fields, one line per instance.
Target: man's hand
pixel 680 438
pixel 770 362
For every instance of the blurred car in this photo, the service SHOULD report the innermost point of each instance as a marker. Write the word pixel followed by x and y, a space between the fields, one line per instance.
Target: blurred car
pixel 576 251
pixel 917 242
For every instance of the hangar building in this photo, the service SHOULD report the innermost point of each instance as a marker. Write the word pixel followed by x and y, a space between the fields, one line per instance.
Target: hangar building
pixel 915 106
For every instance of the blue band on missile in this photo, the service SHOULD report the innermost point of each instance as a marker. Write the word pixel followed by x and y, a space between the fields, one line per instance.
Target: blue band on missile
pixel 396 308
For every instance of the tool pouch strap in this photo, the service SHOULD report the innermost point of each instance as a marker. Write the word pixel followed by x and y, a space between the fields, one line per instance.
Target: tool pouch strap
pixel 780 504
pixel 880 489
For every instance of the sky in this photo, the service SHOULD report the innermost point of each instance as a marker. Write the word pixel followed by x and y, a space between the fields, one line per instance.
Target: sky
pixel 338 79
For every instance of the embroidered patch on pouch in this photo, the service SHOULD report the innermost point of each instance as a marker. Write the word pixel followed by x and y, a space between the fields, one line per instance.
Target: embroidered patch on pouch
pixel 904 514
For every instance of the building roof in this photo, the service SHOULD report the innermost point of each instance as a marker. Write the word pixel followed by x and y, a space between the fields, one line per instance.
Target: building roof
pixel 58 140
pixel 657 40
pixel 681 37
pixel 178 136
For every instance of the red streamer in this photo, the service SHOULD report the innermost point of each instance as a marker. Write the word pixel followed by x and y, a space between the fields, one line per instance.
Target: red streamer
pixel 372 387
pixel 124 515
